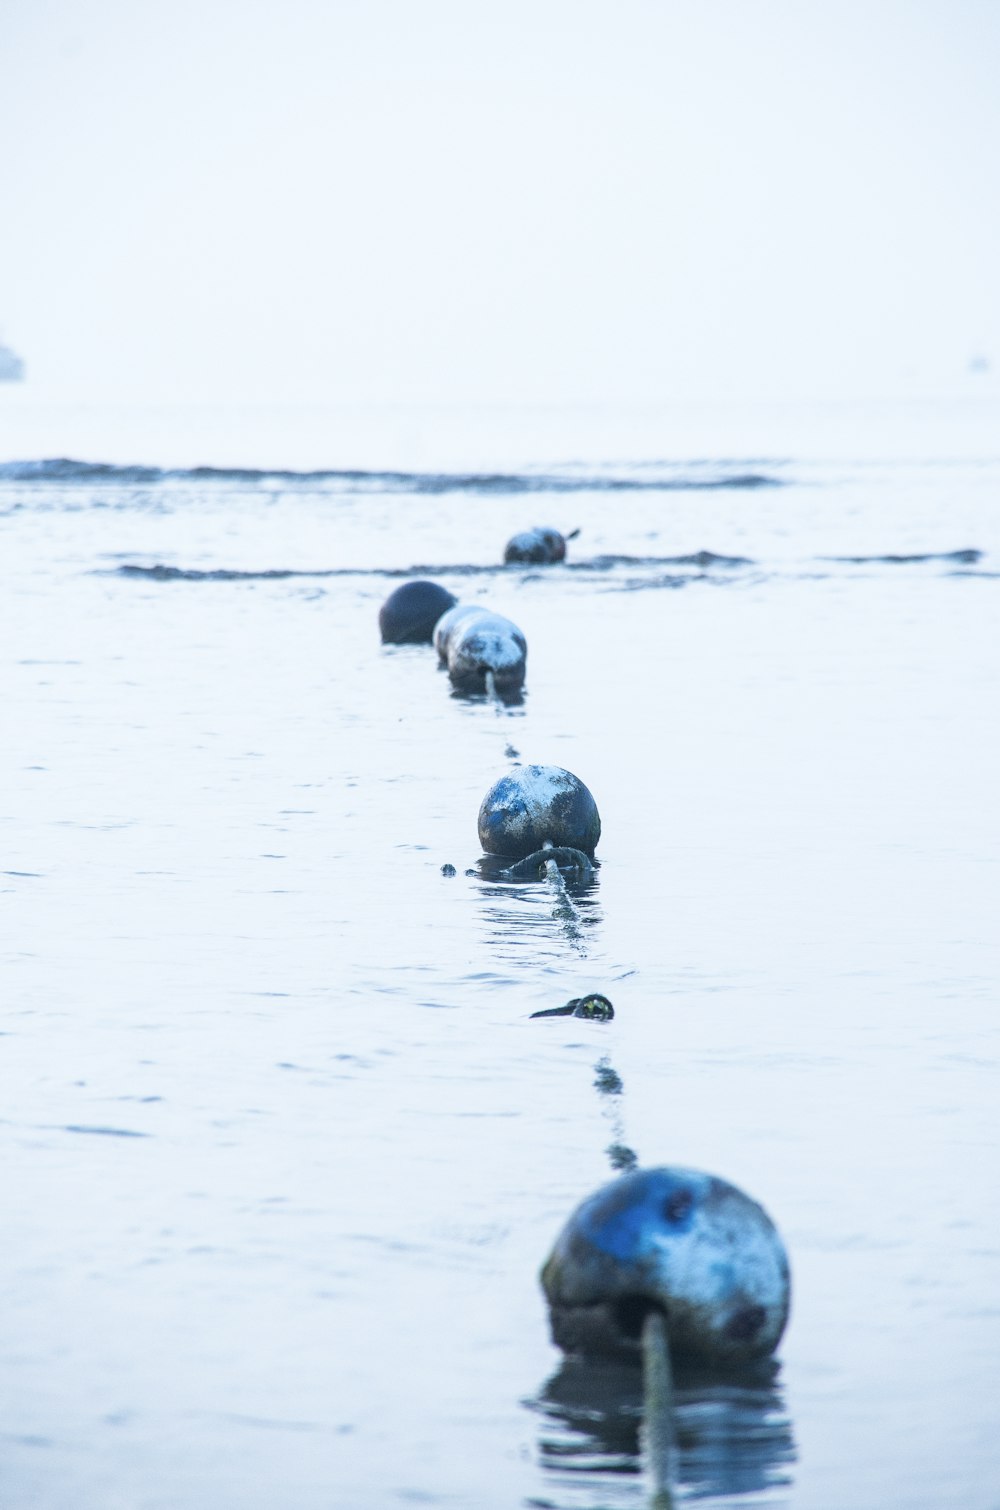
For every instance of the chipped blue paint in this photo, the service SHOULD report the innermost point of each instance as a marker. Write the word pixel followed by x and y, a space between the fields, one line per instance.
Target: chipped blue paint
pixel 648 1206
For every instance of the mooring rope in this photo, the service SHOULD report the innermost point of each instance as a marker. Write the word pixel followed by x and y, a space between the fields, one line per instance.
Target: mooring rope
pixel 492 695
pixel 563 909
pixel 658 1398
pixel 534 866
pixel 608 1083
pixel 659 1441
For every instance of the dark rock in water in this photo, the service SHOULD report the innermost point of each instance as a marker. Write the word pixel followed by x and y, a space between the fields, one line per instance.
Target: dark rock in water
pixel 472 640
pixel 594 1008
pixel 540 546
pixel 408 615
pixel 535 805
pixel 677 1241
pixel 448 870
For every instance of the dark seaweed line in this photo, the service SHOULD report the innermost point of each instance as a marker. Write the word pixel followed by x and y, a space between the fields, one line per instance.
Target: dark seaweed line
pixel 64 470
pixel 967 557
pixel 163 573
pixel 703 560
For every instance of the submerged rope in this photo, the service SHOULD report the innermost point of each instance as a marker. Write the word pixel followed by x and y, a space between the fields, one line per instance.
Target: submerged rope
pixel 534 866
pixel 608 1083
pixel 563 909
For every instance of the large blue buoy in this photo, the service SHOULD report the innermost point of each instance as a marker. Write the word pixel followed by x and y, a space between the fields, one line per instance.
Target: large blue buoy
pixel 409 614
pixel 674 1241
pixel 535 805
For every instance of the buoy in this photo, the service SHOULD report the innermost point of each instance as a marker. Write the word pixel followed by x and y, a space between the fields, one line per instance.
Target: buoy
pixel 409 614
pixel 479 646
pixel 676 1242
pixel 449 622
pixel 540 546
pixel 535 805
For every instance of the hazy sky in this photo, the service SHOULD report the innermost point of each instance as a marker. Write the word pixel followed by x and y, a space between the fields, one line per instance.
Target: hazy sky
pixel 553 200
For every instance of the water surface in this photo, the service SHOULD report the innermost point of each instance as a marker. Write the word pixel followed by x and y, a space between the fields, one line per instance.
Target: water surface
pixel 283 1150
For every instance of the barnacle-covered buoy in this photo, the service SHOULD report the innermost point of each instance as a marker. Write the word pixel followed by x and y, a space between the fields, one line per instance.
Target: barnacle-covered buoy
pixel 477 645
pixel 535 805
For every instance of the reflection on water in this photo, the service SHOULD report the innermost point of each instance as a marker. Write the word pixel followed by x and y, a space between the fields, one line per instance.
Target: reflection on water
pixel 502 698
pixel 734 1436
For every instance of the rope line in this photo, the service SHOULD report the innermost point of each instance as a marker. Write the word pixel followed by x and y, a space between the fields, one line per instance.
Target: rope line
pixel 658 1422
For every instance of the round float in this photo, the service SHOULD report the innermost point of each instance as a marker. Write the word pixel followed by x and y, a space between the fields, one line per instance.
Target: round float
pixel 482 643
pixel 408 615
pixel 535 805
pixel 676 1241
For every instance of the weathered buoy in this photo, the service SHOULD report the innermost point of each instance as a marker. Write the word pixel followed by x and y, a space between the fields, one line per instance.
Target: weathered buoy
pixel 540 546
pixel 476 643
pixel 448 624
pixel 536 805
pixel 687 1245
pixel 409 614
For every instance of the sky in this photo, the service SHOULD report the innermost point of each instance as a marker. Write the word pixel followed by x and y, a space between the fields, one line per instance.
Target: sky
pixel 544 201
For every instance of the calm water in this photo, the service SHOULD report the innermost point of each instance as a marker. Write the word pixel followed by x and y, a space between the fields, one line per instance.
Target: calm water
pixel 283 1152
